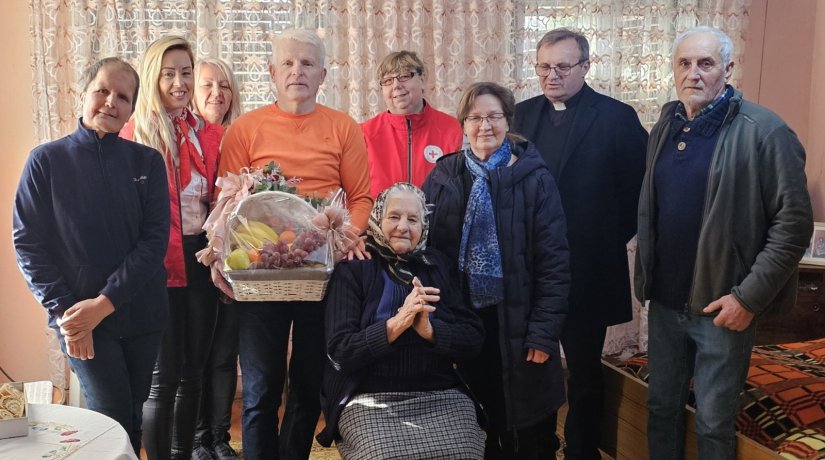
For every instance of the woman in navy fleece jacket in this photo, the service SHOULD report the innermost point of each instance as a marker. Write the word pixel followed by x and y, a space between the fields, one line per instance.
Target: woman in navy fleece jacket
pixel 91 226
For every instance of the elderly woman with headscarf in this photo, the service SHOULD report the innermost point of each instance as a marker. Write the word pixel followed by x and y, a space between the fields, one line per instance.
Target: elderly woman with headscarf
pixel 394 329
pixel 499 218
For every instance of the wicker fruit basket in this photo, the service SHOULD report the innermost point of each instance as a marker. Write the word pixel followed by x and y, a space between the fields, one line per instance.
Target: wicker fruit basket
pixel 274 253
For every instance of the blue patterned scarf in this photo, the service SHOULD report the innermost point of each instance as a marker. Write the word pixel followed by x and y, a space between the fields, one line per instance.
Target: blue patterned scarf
pixel 480 256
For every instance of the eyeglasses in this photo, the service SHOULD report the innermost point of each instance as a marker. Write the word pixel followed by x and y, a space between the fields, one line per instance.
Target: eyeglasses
pixel 562 70
pixel 401 79
pixel 493 118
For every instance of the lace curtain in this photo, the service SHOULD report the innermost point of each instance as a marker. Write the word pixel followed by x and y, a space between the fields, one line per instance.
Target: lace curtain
pixel 461 42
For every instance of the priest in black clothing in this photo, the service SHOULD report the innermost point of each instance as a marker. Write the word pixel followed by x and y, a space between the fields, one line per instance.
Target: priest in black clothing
pixel 595 148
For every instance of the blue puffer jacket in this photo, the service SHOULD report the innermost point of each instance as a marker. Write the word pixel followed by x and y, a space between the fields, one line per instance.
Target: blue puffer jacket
pixel 531 232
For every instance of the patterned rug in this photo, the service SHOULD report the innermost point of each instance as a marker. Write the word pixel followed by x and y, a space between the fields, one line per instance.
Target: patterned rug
pixel 784 397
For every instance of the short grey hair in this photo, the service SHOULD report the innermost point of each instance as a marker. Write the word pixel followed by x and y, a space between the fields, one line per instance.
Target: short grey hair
pixel 725 43
pixel 302 36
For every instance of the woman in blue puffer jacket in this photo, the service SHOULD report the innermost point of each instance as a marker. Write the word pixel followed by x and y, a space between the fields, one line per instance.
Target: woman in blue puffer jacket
pixel 498 215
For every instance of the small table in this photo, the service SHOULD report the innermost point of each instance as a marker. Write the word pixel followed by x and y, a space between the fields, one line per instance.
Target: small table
pixel 57 432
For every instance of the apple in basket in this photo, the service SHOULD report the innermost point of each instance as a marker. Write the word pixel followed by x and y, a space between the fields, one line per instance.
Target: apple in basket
pixel 238 259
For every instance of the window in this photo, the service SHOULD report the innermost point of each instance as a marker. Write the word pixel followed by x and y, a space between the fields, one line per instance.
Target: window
pixel 629 52
pixel 460 43
pixel 241 30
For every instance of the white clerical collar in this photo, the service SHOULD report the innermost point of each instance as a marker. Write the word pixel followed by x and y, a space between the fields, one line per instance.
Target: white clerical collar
pixel 559 106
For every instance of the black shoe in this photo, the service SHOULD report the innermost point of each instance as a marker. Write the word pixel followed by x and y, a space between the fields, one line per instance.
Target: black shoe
pixel 201 452
pixel 223 451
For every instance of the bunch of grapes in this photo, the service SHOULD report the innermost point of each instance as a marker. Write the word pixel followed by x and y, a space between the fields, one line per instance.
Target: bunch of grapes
pixel 309 240
pixel 282 255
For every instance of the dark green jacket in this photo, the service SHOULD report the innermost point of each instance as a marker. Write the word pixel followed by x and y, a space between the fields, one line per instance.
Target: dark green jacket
pixel 756 221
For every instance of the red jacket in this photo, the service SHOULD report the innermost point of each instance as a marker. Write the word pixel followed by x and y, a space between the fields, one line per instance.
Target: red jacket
pixel 404 148
pixel 209 137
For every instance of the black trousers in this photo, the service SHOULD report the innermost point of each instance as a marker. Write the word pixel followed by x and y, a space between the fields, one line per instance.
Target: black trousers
pixel 583 341
pixel 484 375
pixel 220 379
pixel 264 340
pixel 171 412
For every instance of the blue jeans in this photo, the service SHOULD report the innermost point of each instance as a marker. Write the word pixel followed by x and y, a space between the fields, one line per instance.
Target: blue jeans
pixel 116 381
pixel 682 346
pixel 264 338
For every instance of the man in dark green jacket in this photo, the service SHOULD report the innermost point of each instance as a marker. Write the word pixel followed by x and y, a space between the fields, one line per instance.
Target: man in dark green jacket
pixel 724 217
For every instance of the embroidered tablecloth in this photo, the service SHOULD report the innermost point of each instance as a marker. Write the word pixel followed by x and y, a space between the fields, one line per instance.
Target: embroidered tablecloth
pixel 57 432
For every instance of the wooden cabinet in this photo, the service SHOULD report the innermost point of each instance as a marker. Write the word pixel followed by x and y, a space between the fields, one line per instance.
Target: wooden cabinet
pixel 806 321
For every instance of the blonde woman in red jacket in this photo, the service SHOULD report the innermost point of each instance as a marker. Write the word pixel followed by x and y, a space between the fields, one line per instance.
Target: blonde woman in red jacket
pixel 189 146
pixel 217 99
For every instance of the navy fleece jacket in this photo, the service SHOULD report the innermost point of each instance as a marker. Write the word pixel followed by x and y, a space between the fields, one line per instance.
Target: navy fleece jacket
pixel 91 216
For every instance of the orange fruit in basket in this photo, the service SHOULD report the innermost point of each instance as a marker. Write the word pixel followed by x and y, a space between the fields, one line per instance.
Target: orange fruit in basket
pixel 287 236
pixel 253 254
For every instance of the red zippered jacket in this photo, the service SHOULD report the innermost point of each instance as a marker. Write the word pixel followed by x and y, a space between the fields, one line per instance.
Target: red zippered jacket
pixel 404 148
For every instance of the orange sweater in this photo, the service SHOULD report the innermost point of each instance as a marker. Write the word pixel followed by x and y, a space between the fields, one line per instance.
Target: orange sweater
pixel 325 148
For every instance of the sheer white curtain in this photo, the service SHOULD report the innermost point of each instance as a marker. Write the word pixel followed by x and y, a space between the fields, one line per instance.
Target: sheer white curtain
pixel 460 41
pixel 70 35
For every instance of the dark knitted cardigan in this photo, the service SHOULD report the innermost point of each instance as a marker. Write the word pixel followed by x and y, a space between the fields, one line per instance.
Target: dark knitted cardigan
pixel 356 344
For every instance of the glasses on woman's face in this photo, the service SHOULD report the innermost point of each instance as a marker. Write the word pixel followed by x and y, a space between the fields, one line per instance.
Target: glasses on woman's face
pixel 478 120
pixel 562 70
pixel 387 81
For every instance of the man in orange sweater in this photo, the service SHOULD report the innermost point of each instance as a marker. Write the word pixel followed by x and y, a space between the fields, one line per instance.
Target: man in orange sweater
pixel 326 149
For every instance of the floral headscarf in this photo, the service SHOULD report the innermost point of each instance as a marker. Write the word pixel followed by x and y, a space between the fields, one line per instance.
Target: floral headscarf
pixel 399 264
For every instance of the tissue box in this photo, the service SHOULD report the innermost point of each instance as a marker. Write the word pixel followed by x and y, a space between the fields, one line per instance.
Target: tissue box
pixel 15 427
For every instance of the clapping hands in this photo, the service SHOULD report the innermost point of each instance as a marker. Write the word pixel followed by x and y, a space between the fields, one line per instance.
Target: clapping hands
pixel 415 312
